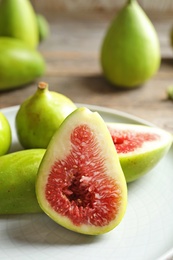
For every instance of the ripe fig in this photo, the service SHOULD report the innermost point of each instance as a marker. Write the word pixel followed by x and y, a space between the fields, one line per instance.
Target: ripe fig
pixel 40 115
pixel 19 64
pixel 43 27
pixel 130 52
pixel 169 92
pixel 140 148
pixel 18 172
pixel 171 37
pixel 5 135
pixel 80 183
pixel 17 20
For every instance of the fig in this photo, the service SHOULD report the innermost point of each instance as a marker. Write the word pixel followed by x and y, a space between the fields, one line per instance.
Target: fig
pixel 171 36
pixel 5 134
pixel 19 64
pixel 130 51
pixel 18 171
pixel 43 27
pixel 170 92
pixel 40 115
pixel 18 20
pixel 80 183
pixel 140 148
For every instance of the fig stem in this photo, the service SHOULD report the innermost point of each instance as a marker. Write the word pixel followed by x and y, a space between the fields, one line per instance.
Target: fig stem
pixel 42 85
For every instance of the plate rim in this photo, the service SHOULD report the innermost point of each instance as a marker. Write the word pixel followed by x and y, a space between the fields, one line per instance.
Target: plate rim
pixel 97 108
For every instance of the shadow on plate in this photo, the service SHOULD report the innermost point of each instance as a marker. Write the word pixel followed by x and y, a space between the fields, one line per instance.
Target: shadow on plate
pixel 39 229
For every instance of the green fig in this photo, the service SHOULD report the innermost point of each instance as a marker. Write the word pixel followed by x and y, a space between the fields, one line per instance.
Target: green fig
pixel 130 52
pixel 40 115
pixel 5 135
pixel 19 64
pixel 171 36
pixel 18 173
pixel 170 92
pixel 43 27
pixel 80 183
pixel 140 148
pixel 17 20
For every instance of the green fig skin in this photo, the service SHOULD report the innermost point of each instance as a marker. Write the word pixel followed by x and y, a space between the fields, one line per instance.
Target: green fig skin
pixel 43 27
pixel 5 135
pixel 136 166
pixel 17 20
pixel 170 92
pixel 140 162
pixel 18 173
pixel 40 115
pixel 130 52
pixel 19 64
pixel 171 37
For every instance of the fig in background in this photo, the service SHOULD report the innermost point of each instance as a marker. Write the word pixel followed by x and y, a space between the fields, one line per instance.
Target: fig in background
pixel 130 52
pixel 18 20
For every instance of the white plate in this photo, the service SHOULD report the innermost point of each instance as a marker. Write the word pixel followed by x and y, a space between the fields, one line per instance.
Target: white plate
pixel 145 233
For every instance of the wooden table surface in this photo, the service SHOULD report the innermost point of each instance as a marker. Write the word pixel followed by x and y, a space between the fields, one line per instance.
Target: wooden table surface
pixel 71 53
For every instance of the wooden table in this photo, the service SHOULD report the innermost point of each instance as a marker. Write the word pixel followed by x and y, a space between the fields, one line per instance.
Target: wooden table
pixel 72 57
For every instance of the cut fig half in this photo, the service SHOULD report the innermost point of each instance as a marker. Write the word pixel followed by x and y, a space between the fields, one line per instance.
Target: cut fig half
pixel 140 148
pixel 80 183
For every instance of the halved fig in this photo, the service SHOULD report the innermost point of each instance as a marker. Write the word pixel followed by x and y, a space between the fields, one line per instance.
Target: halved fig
pixel 80 183
pixel 140 148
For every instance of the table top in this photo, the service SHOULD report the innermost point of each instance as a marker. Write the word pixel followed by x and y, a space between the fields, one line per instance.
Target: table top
pixel 71 53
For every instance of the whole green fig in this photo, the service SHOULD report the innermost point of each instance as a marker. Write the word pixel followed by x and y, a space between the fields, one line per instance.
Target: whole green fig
pixel 17 20
pixel 130 52
pixel 18 173
pixel 171 36
pixel 19 63
pixel 5 135
pixel 40 115
pixel 43 27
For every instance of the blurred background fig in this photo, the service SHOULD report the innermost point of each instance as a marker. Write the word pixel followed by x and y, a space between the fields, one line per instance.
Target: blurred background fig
pixel 19 63
pixel 18 20
pixel 130 52
pixel 43 27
